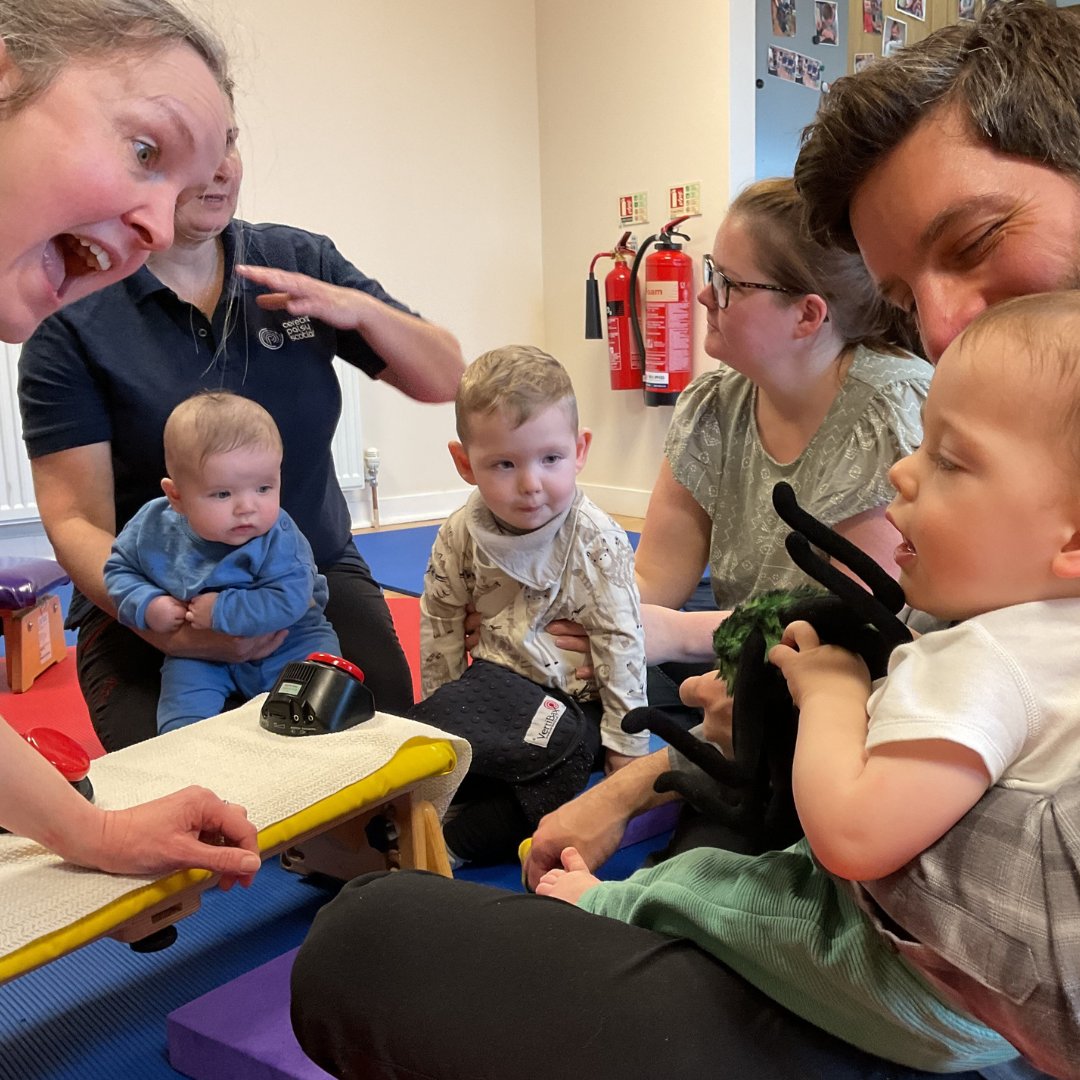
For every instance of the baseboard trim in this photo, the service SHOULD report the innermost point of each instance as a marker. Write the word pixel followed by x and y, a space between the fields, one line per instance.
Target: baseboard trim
pixel 427 506
pixel 630 502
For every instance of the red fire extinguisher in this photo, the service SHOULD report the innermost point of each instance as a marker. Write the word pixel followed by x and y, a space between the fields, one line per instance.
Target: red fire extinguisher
pixel 624 354
pixel 668 344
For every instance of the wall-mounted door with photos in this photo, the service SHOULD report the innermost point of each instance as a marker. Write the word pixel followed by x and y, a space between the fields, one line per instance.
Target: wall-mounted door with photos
pixel 801 47
pixel 804 45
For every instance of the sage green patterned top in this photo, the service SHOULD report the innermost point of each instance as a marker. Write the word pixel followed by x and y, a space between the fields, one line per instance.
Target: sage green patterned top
pixel 715 453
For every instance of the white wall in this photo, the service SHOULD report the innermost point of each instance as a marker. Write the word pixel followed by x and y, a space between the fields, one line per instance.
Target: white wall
pixel 408 133
pixel 634 96
pixel 469 155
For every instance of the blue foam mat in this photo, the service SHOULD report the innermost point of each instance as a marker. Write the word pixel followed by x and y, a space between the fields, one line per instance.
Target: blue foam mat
pixel 399 557
pixel 99 1013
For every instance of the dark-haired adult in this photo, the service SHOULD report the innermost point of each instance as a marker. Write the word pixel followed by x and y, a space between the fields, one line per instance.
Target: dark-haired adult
pixel 954 170
pixel 985 118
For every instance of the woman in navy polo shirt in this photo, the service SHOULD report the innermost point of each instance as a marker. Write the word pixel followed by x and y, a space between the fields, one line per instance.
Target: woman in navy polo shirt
pixel 97 381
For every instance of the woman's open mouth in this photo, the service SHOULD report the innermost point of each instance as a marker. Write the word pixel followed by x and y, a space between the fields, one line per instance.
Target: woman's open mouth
pixel 68 256
pixel 83 256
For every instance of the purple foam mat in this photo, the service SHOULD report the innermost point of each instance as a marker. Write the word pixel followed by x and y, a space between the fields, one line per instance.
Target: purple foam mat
pixel 241 1031
pixel 22 581
pixel 660 819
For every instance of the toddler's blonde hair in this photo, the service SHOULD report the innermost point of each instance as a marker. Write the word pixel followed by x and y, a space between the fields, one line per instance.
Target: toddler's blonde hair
pixel 516 380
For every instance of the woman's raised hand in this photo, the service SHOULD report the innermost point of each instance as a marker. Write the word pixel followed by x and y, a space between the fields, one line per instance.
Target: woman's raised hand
pixel 301 295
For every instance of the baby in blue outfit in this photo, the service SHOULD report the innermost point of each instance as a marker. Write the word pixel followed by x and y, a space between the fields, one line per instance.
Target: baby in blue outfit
pixel 219 552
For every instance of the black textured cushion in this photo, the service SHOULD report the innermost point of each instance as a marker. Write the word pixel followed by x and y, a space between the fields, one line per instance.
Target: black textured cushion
pixel 535 738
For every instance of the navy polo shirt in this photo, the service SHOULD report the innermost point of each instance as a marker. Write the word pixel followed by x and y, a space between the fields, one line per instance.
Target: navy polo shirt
pixel 111 367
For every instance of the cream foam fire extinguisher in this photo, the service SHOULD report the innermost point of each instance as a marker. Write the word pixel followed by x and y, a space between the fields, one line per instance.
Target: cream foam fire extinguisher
pixel 624 355
pixel 668 343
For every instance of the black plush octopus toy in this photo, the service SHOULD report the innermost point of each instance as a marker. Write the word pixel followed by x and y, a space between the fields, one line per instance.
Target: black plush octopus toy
pixel 750 792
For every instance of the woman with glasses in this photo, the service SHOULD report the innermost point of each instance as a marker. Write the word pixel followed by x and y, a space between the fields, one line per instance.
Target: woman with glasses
pixel 810 389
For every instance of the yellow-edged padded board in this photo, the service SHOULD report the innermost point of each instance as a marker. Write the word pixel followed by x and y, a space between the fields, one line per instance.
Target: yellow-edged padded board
pixel 290 786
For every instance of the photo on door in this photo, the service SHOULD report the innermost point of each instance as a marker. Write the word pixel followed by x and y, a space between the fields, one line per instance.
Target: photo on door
pixel 783 18
pixel 872 16
pixel 894 36
pixel 826 32
pixel 914 8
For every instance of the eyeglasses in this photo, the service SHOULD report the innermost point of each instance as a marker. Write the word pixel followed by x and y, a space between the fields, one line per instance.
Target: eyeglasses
pixel 722 284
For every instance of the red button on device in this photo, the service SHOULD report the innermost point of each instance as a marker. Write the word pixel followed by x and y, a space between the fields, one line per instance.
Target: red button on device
pixel 69 758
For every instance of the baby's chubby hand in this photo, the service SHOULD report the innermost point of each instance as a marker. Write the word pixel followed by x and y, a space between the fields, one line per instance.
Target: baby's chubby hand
pixel 165 614
pixel 811 668
pixel 570 883
pixel 200 611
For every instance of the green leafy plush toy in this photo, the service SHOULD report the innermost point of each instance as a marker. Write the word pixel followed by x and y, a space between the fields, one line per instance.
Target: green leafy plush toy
pixel 767 613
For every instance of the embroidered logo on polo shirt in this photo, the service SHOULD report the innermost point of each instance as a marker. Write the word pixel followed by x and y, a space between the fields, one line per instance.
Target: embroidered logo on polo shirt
pixel 299 328
pixel 270 339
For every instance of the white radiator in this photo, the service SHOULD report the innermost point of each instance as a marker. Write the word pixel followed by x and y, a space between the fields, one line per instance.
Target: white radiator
pixel 349 437
pixel 17 490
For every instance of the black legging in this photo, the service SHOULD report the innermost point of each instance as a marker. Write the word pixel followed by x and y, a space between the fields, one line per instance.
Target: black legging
pixel 411 975
pixel 120 674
